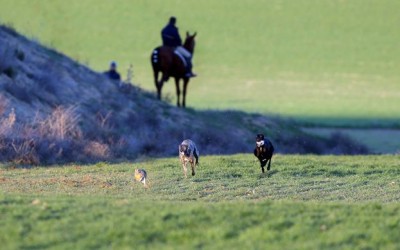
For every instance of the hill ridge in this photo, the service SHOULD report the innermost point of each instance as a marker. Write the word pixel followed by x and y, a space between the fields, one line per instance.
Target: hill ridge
pixel 55 110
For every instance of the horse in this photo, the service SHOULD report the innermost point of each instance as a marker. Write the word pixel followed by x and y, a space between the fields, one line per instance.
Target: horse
pixel 165 60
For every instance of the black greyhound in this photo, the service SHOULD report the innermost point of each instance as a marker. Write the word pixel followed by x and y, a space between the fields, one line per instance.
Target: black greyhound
pixel 263 151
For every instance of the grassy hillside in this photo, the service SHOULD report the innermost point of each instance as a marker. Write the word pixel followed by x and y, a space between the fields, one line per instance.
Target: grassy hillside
pixel 305 202
pixel 55 110
pixel 325 62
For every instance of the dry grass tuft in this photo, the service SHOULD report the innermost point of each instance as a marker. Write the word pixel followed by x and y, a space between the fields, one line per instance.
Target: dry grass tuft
pixel 62 124
pixel 97 150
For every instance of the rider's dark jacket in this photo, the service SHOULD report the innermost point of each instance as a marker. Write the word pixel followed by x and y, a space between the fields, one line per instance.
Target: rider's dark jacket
pixel 170 36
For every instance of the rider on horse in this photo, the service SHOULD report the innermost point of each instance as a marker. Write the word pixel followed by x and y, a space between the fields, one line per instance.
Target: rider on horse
pixel 171 38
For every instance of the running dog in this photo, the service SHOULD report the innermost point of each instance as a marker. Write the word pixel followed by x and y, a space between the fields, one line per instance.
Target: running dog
pixel 264 151
pixel 141 176
pixel 188 152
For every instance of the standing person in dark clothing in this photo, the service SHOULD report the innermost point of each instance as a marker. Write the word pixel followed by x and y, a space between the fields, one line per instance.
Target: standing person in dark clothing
pixel 112 72
pixel 171 38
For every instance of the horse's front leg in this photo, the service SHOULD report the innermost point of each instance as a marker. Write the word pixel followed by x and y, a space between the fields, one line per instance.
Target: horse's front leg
pixel 185 84
pixel 178 92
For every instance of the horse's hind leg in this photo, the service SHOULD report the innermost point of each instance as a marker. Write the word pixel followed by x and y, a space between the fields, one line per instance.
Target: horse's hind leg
pixel 158 84
pixel 164 78
pixel 269 164
pixel 185 84
pixel 178 92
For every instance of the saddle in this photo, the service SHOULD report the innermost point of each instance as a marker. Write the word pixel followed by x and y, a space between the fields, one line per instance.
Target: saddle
pixel 183 59
pixel 180 52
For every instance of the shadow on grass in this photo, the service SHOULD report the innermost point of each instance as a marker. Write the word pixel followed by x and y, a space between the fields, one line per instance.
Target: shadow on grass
pixel 267 174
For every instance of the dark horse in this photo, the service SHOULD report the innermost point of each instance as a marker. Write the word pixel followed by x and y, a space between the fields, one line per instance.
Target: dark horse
pixel 164 60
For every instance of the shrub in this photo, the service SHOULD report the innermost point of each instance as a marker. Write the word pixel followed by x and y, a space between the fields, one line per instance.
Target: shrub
pixel 61 124
pixel 7 124
pixel 3 104
pixel 96 150
pixel 24 152
pixel 53 151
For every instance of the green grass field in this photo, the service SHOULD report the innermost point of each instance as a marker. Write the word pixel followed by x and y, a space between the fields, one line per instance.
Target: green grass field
pixel 323 62
pixel 304 202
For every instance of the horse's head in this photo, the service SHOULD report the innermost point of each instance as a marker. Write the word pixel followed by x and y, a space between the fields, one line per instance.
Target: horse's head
pixel 190 42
